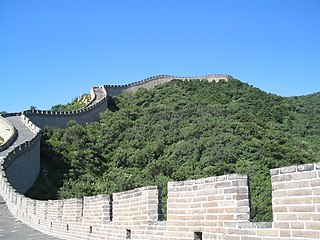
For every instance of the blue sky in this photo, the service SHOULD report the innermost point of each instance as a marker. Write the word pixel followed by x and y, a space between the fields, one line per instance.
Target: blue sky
pixel 50 49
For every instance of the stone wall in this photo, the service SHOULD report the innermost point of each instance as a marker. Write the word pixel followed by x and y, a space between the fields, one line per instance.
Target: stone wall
pixel 59 119
pixel 206 204
pixel 22 165
pixel 209 208
pixel 296 200
pixel 152 82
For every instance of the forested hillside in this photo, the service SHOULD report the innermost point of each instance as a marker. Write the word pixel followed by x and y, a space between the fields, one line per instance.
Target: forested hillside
pixel 182 130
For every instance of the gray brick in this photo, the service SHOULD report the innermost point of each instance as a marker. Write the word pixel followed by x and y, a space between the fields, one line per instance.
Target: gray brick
pixel 305 167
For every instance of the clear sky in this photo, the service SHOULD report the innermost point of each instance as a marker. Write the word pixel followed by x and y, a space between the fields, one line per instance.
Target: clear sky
pixel 50 49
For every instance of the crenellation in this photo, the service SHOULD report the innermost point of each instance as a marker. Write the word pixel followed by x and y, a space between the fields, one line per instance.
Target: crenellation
pixel 59 119
pixel 306 167
pixel 41 209
pixel 72 210
pixel 290 169
pixel 154 81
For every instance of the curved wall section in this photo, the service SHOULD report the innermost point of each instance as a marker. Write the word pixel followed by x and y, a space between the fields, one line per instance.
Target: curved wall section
pixel 22 165
pixel 213 208
pixel 21 162
pixel 56 119
pixel 61 119
pixel 152 82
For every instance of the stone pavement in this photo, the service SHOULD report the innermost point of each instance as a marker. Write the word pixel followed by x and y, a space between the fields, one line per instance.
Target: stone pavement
pixel 99 96
pixel 24 134
pixel 13 229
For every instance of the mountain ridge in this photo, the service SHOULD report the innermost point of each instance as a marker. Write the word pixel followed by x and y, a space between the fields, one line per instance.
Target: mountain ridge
pixel 183 130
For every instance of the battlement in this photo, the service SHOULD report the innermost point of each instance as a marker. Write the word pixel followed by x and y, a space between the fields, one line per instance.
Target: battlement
pixel 217 207
pixel 64 113
pixel 154 81
pixel 59 119
pixel 30 124
pixel 22 164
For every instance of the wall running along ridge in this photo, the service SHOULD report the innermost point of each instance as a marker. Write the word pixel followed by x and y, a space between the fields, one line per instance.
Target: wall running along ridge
pixel 210 208
pixel 152 82
pixel 56 119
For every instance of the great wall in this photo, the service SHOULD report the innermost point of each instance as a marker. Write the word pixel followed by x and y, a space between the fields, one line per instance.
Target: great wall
pixel 211 208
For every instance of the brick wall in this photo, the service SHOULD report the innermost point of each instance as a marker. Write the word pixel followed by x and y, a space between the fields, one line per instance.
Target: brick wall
pixel 152 82
pixel 194 206
pixel 60 119
pixel 96 215
pixel 22 164
pixel 209 208
pixel 296 200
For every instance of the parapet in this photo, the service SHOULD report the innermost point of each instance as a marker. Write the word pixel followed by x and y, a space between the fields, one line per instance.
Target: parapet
pixel 209 208
pixel 154 81
pixel 296 200
pixel 60 119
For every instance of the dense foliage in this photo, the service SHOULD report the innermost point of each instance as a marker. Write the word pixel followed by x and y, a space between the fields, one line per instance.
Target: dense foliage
pixel 183 130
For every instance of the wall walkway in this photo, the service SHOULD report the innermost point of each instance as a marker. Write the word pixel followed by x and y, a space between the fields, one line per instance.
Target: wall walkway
pixel 13 229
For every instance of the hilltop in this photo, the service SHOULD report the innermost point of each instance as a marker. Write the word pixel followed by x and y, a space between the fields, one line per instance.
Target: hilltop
pixel 182 130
